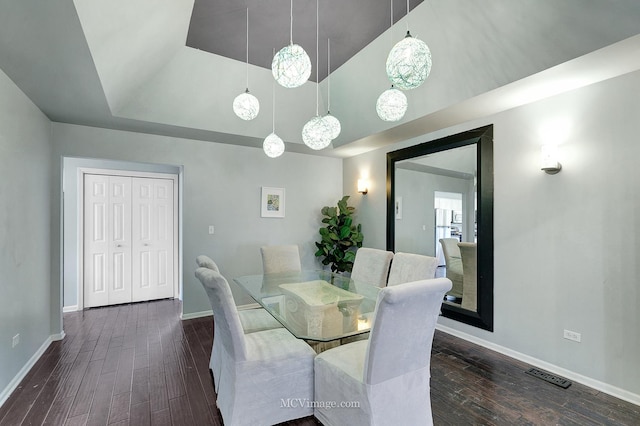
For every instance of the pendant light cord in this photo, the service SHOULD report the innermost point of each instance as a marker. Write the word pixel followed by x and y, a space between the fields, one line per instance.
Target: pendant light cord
pixel 328 75
pixel 407 16
pixel 291 24
pixel 273 102
pixel 247 49
pixel 391 27
pixel 317 50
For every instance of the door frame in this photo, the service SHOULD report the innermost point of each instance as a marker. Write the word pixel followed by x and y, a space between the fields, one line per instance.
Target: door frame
pixel 82 171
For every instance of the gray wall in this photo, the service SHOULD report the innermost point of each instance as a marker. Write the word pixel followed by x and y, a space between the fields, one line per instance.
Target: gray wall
pixel 566 246
pixel 25 166
pixel 221 187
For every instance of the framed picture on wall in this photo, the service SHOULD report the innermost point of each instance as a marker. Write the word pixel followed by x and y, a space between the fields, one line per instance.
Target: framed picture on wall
pixel 272 202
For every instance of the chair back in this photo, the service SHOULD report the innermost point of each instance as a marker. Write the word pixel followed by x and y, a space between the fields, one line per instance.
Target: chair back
pixel 469 252
pixel 450 248
pixel 206 262
pixel 402 330
pixel 276 259
pixel 228 325
pixel 407 267
pixel 371 266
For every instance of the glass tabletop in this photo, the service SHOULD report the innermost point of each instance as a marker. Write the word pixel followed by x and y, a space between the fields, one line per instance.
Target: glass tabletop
pixel 314 305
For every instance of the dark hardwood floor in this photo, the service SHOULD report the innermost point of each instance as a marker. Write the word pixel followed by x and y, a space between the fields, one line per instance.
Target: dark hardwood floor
pixel 139 364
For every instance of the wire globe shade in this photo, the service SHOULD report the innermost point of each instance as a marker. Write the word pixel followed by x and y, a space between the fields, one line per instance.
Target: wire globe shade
pixel 273 146
pixel 391 105
pixel 291 66
pixel 333 124
pixel 316 133
pixel 409 63
pixel 246 106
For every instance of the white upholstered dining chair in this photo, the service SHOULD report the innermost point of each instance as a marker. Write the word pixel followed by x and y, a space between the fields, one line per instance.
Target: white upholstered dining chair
pixel 371 266
pixel 252 320
pixel 258 370
pixel 276 259
pixel 386 376
pixel 453 264
pixel 407 267
pixel 204 261
pixel 469 253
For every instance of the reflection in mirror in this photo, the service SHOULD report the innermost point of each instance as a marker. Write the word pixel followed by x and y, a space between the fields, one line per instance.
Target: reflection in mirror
pixel 440 204
pixel 439 193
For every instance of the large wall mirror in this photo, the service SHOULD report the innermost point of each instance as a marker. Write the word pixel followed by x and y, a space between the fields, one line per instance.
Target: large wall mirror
pixel 440 204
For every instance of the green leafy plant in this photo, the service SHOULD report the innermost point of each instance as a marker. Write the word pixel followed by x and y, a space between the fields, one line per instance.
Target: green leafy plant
pixel 340 237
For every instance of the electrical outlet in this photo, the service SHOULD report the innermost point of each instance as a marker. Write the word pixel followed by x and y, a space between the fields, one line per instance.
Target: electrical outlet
pixel 211 229
pixel 572 335
pixel 16 340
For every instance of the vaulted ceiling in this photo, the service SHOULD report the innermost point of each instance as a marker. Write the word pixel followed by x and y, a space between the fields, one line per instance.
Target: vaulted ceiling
pixel 148 66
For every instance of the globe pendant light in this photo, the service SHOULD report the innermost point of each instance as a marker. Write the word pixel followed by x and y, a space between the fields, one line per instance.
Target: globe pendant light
pixel 409 61
pixel 391 105
pixel 245 105
pixel 332 122
pixel 291 66
pixel 316 134
pixel 273 145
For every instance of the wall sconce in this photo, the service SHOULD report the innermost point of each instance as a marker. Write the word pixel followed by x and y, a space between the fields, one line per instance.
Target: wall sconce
pixel 363 186
pixel 549 159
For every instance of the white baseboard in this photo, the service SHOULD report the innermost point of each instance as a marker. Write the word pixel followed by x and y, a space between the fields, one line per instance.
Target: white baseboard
pixel 209 313
pixel 193 315
pixel 72 308
pixel 13 384
pixel 587 381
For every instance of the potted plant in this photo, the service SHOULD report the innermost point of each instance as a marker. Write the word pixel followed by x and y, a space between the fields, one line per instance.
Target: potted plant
pixel 340 237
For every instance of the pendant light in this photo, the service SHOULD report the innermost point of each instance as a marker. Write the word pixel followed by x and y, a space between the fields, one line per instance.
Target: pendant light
pixel 291 66
pixel 392 103
pixel 273 145
pixel 245 105
pixel 332 122
pixel 316 133
pixel 409 61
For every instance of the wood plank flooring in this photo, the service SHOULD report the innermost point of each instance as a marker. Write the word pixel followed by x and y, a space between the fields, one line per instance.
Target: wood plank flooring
pixel 139 364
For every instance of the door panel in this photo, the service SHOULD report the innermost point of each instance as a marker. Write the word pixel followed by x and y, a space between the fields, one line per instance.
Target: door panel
pixel 104 225
pixel 152 238
pixel 119 267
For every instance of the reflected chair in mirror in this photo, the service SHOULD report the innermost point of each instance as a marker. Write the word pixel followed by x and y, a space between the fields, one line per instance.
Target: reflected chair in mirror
pixel 259 370
pixel 387 376
pixel 407 267
pixel 252 320
pixel 469 252
pixel 277 259
pixel 453 264
pixel 372 266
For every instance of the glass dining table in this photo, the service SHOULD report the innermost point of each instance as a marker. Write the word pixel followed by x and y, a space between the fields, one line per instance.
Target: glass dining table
pixel 314 305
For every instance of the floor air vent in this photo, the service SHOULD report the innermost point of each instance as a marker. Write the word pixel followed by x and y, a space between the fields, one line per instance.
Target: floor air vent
pixel 548 377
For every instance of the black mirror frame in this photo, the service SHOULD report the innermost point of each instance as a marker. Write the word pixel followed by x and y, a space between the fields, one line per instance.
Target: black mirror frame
pixel 483 137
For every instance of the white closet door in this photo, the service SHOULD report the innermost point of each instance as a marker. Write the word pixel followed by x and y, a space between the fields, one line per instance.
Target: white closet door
pixel 153 248
pixel 107 240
